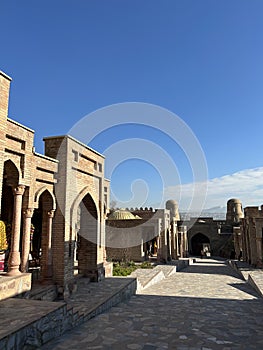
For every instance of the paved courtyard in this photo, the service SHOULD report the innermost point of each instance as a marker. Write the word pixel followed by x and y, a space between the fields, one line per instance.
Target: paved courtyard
pixel 205 306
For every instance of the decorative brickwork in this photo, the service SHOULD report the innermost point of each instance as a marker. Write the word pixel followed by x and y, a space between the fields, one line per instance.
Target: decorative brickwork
pixel 45 192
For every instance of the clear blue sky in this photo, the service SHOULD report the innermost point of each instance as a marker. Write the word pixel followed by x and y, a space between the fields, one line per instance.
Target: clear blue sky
pixel 200 59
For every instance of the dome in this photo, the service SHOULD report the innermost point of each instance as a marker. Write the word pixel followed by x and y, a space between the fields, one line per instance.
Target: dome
pixel 122 214
pixel 233 200
pixel 171 203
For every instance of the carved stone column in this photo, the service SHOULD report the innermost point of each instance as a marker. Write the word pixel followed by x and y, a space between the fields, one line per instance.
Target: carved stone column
pixel 47 273
pixel 14 256
pixel 28 213
pixel 182 244
pixel 259 251
pixel 185 243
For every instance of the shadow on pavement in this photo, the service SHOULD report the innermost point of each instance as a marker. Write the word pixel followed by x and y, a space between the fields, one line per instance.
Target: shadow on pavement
pixel 166 322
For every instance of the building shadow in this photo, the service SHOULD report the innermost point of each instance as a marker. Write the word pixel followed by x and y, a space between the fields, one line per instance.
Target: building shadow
pixel 168 322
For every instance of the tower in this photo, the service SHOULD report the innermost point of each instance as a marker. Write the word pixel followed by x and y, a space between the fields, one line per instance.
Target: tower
pixel 234 211
pixel 172 205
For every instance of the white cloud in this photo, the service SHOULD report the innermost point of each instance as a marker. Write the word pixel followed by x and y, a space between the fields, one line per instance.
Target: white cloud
pixel 247 185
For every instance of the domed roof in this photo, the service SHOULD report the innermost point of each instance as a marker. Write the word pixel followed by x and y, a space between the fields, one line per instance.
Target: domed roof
pixel 122 214
pixel 234 200
pixel 171 202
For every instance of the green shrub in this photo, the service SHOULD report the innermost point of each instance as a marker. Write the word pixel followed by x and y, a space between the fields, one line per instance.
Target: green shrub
pixel 126 268
pixel 123 269
pixel 146 265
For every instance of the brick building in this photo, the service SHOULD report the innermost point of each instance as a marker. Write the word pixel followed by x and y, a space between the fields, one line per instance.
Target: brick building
pixel 250 237
pixel 133 234
pixel 218 236
pixel 53 205
pixel 127 238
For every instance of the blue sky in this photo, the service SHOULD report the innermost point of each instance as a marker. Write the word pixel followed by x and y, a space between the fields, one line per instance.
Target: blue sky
pixel 202 60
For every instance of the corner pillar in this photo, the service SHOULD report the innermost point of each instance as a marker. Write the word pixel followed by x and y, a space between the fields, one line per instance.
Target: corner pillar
pixel 14 257
pixel 28 213
pixel 47 268
pixel 259 251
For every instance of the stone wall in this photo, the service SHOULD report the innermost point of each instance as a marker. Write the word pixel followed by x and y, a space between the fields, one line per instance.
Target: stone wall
pixel 12 286
pixel 220 241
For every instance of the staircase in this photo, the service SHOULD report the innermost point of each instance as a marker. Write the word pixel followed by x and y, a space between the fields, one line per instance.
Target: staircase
pixel 31 322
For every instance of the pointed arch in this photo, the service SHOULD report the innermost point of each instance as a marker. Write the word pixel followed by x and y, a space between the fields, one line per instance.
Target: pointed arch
pixel 82 194
pixel 12 173
pixel 197 242
pixel 84 231
pixel 40 192
pixel 74 210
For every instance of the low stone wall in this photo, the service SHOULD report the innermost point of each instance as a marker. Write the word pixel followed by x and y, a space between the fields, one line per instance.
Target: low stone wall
pixel 108 266
pixel 147 277
pixel 182 263
pixel 12 286
pixel 31 323
pixel 59 320
pixel 255 279
pixel 122 295
pixel 253 276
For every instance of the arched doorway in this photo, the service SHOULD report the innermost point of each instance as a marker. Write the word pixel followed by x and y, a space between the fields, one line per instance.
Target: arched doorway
pixel 10 180
pixel 40 245
pixel 197 242
pixel 87 237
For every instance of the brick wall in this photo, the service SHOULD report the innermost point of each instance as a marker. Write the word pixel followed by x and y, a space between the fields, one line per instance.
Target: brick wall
pixel 4 97
pixel 70 170
pixel 80 173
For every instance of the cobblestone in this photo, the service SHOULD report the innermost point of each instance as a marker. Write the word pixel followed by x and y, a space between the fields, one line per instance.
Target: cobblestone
pixel 205 306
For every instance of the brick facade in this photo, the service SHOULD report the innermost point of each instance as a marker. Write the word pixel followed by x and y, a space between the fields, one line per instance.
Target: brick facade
pixel 48 191
pixel 251 236
pixel 130 239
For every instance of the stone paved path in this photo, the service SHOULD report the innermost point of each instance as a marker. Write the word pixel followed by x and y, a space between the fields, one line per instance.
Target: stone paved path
pixel 205 306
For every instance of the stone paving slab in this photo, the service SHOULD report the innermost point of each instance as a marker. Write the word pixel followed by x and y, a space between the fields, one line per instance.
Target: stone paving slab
pixel 205 307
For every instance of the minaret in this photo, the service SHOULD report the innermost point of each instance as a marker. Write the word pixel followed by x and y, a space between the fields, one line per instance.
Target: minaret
pixel 173 207
pixel 234 211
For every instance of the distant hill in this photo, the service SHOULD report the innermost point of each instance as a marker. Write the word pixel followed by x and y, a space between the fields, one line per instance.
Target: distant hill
pixel 217 213
pixel 217 209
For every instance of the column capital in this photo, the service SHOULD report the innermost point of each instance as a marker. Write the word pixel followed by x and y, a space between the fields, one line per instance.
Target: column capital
pixel 19 190
pixel 28 213
pixel 50 213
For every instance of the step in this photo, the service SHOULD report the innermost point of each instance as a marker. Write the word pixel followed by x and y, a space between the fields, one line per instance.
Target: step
pixel 29 323
pixel 255 279
pixel 167 270
pixel 147 277
pixel 41 292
